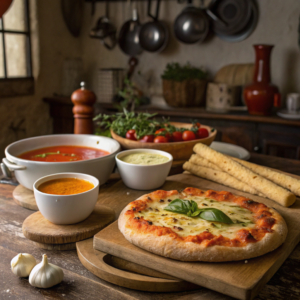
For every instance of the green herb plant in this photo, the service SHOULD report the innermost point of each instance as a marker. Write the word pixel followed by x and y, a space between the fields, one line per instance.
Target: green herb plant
pixel 176 72
pixel 190 208
pixel 130 96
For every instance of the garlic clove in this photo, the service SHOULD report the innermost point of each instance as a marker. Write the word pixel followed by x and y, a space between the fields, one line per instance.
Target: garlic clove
pixel 22 264
pixel 45 275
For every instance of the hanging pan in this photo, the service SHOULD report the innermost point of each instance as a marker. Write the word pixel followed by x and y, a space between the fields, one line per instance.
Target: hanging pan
pixel 154 35
pixel 129 36
pixel 192 25
pixel 229 16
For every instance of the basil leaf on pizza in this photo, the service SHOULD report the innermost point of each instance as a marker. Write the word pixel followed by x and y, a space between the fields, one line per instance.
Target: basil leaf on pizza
pixel 180 206
pixel 191 209
pixel 213 214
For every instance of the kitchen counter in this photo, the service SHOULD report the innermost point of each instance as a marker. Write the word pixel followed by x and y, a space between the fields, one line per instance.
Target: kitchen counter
pixel 79 283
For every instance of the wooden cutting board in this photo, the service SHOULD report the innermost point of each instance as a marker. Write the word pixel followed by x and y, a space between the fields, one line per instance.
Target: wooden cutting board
pixel 237 279
pixel 127 274
pixel 63 237
pixel 25 197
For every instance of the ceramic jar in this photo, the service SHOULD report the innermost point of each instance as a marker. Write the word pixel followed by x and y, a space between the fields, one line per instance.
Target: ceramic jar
pixel 261 95
pixel 221 96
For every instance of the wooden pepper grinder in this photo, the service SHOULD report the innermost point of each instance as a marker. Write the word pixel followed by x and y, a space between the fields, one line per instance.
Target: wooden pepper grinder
pixel 83 110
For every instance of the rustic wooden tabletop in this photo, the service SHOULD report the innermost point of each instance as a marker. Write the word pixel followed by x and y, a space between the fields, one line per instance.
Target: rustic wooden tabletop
pixel 79 283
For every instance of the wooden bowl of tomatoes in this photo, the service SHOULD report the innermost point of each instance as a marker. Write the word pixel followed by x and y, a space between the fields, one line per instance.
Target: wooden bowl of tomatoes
pixel 179 143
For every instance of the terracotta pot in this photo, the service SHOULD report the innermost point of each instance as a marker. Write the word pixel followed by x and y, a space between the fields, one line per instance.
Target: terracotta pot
pixel 261 95
pixel 179 150
pixel 4 5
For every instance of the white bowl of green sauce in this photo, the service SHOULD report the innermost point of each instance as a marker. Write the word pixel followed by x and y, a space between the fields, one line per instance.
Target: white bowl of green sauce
pixel 144 169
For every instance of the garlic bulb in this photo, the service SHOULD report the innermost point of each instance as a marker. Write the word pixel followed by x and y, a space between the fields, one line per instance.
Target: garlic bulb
pixel 22 264
pixel 45 275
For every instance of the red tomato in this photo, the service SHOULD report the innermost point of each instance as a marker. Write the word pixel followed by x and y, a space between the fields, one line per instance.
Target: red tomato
pixel 202 133
pixel 198 125
pixel 166 134
pixel 177 136
pixel 160 130
pixel 130 134
pixel 147 138
pixel 161 139
pixel 188 135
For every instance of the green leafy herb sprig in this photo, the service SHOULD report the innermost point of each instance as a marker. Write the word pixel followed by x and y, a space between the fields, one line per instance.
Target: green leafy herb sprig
pixel 120 123
pixel 190 208
pixel 176 72
pixel 142 123
pixel 43 155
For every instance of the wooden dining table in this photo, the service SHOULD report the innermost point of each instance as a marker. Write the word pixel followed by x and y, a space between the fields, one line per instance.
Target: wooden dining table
pixel 79 283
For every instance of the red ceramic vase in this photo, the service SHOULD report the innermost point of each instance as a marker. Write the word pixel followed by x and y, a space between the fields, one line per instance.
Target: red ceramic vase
pixel 261 95
pixel 4 6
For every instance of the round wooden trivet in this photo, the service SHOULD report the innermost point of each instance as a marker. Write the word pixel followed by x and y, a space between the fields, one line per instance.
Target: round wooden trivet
pixel 40 230
pixel 24 197
pixel 54 247
pixel 103 266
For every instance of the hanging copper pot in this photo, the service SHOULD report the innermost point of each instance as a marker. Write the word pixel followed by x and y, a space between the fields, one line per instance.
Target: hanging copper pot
pixel 4 6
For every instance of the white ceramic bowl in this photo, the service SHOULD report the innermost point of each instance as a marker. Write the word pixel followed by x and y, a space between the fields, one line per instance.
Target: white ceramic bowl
pixel 144 177
pixel 28 171
pixel 66 209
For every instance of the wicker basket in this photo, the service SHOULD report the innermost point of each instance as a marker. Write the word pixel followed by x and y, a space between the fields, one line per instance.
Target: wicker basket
pixel 190 92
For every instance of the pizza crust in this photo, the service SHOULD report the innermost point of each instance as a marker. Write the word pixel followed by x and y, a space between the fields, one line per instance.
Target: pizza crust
pixel 176 249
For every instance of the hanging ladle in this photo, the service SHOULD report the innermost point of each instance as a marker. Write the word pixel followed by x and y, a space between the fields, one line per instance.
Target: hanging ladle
pixel 105 30
pixel 154 35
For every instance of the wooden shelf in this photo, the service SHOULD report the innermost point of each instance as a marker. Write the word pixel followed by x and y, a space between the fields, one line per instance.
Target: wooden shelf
pixel 191 112
pixel 198 113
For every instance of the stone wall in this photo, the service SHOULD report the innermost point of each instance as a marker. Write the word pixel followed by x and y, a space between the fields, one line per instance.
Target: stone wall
pixel 278 25
pixel 28 116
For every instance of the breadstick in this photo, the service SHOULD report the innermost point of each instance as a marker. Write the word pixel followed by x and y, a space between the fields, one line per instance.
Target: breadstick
pixel 198 160
pixel 284 180
pixel 266 187
pixel 220 177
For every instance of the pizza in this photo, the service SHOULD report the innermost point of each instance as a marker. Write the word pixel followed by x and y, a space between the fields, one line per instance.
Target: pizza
pixel 197 225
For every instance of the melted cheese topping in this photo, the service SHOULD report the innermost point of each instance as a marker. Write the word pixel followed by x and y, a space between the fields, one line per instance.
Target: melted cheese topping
pixel 184 225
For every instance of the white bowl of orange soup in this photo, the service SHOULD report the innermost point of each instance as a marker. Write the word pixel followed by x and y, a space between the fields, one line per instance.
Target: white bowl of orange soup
pixel 33 158
pixel 66 198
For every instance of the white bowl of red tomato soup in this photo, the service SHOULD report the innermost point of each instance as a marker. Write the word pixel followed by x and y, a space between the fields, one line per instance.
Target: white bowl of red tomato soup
pixel 66 198
pixel 36 157
pixel 144 169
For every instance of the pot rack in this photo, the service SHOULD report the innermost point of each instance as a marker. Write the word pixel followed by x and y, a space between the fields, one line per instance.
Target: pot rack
pixel 93 2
